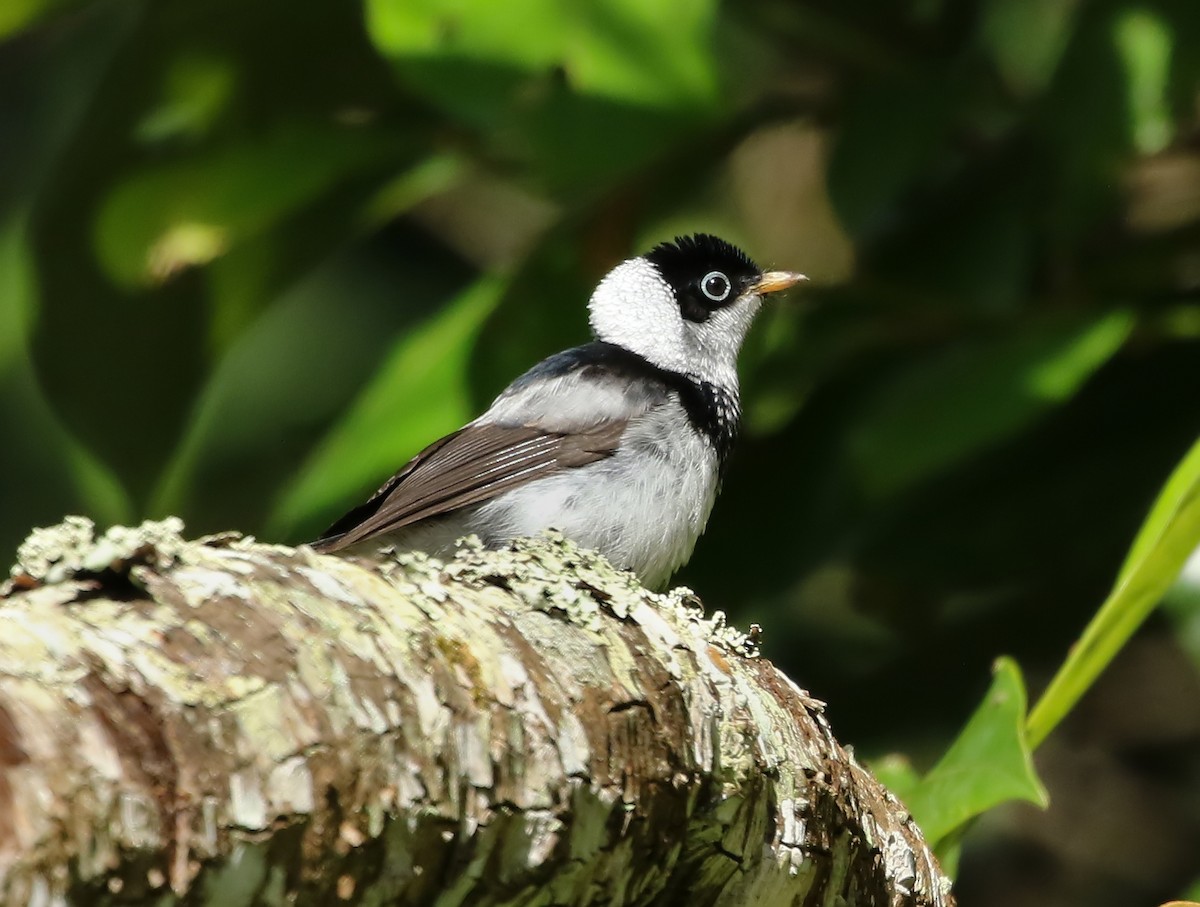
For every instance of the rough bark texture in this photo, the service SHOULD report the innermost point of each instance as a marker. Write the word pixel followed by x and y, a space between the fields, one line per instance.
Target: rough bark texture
pixel 231 723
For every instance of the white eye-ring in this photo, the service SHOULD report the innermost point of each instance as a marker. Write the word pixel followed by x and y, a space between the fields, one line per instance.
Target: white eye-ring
pixel 715 286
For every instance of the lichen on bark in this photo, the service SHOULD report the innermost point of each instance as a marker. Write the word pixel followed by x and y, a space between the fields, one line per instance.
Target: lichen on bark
pixel 227 722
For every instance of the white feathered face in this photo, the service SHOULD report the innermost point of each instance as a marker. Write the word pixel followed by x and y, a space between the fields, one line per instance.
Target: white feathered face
pixel 685 306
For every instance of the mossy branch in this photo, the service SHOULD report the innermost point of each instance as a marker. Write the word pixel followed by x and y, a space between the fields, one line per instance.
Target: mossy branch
pixel 226 722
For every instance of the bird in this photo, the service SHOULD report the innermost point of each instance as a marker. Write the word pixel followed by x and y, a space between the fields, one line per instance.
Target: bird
pixel 620 444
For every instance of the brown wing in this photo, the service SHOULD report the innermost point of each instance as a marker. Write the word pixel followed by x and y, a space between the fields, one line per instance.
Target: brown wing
pixel 474 464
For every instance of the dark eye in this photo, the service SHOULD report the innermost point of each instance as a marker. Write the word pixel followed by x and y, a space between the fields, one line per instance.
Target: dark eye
pixel 715 286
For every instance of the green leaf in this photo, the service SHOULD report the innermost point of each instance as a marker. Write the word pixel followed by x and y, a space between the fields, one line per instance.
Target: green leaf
pixel 96 488
pixel 292 374
pixel 419 394
pixel 988 764
pixel 197 88
pixel 188 213
pixel 1144 41
pixel 1027 39
pixel 18 293
pixel 644 53
pixel 244 281
pixel 895 771
pixel 578 93
pixel 100 490
pixel 1169 535
pixel 1167 524
pixel 1191 895
pixel 16 15
pixel 953 405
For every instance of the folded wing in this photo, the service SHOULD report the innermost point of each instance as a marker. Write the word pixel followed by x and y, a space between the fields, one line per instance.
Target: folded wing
pixel 472 465
pixel 566 412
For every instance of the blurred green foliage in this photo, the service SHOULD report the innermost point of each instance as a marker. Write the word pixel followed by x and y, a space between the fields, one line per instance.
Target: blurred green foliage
pixel 253 256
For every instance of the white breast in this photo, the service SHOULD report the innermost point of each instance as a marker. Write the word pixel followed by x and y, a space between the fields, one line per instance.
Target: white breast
pixel 643 508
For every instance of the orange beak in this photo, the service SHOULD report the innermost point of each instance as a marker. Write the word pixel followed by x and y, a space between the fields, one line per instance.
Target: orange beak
pixel 774 281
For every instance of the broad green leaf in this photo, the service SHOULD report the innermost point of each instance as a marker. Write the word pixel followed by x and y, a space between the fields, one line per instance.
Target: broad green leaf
pixel 197 87
pixel 950 406
pixel 1144 42
pixel 895 771
pixel 989 763
pixel 1027 39
pixel 426 178
pixel 179 215
pixel 1190 898
pixel 241 282
pixel 96 488
pixel 274 392
pixel 571 94
pixel 642 53
pixel 16 15
pixel 100 491
pixel 1163 545
pixel 46 470
pixel 17 291
pixel 1162 527
pixel 419 394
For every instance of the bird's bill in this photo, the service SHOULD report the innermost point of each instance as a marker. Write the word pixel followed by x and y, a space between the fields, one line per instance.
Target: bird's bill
pixel 774 281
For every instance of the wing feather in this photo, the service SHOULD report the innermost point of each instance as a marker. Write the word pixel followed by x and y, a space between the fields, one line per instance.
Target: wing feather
pixel 470 466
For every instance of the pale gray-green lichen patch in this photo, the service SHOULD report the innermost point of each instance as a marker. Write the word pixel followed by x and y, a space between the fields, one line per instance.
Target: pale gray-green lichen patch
pixel 552 573
pixel 247 803
pixel 50 546
pixel 70 548
pixel 328 586
pixel 537 571
pixel 139 821
pixel 290 787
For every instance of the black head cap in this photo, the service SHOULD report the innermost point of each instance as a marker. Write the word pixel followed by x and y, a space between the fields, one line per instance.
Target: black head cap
pixel 706 272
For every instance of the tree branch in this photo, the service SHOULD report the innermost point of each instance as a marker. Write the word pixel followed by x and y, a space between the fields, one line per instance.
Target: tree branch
pixel 242 723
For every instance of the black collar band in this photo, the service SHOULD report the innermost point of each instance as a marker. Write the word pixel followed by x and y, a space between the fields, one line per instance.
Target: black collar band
pixel 713 411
